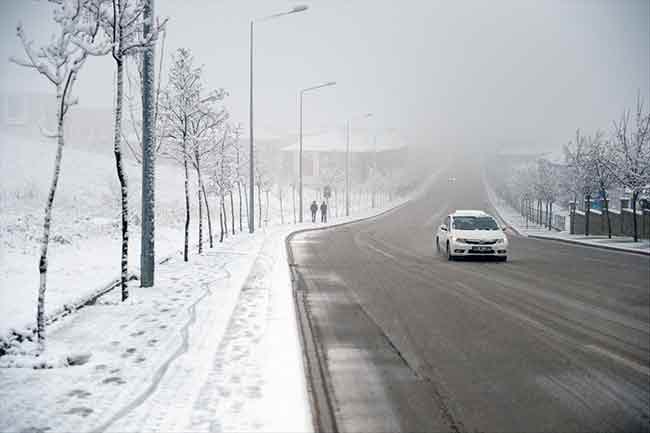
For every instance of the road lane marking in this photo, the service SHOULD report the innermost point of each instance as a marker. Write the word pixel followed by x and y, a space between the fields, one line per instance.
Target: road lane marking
pixel 383 253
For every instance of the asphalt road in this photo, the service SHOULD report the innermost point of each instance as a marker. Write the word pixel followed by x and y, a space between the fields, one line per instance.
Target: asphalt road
pixel 400 339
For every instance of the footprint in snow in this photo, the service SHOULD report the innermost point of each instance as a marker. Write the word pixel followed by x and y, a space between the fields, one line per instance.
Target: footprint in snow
pixel 82 411
pixel 36 430
pixel 128 352
pixel 114 379
pixel 140 359
pixel 152 342
pixel 79 393
pixel 137 334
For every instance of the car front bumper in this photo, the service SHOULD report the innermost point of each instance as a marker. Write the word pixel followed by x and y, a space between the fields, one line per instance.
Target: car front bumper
pixel 460 249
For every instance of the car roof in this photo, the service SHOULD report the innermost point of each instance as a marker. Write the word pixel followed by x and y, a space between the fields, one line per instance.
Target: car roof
pixel 469 213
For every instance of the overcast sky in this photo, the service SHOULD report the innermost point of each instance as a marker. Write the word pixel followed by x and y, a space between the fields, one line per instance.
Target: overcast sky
pixel 445 73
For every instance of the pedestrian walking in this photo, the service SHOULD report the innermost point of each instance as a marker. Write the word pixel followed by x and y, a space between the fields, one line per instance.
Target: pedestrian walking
pixel 323 212
pixel 314 210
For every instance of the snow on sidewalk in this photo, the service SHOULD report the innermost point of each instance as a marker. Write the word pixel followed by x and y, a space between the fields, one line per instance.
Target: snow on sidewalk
pixel 214 346
pixel 132 346
pixel 518 223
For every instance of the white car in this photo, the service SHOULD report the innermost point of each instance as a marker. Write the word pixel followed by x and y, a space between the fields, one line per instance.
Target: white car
pixel 471 233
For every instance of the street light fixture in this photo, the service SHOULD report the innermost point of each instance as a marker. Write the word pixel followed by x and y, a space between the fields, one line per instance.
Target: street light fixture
pixel 302 92
pixel 251 180
pixel 347 164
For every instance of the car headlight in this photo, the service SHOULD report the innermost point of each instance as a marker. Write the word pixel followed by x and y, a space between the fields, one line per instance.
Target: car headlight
pixel 501 241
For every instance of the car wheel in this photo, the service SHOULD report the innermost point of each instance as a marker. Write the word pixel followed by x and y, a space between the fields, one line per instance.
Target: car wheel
pixel 449 256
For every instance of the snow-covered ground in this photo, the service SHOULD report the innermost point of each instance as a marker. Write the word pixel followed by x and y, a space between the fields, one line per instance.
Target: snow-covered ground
pixel 213 346
pixel 85 240
pixel 518 223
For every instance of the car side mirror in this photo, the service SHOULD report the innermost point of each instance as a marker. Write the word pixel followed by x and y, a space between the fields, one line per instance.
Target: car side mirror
pixel 443 228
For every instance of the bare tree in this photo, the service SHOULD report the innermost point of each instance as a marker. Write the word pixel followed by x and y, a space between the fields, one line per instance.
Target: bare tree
pixel 222 176
pixel 135 81
pixel 180 102
pixel 630 164
pixel 240 170
pixel 599 152
pixel 579 173
pixel 207 119
pixel 59 61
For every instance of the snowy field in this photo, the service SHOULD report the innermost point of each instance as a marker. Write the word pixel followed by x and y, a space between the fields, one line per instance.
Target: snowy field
pixel 84 246
pixel 84 253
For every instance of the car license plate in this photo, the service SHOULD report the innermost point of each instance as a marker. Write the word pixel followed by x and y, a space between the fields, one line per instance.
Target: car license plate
pixel 481 249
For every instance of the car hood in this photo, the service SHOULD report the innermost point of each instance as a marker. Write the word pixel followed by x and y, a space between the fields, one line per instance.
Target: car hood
pixel 479 234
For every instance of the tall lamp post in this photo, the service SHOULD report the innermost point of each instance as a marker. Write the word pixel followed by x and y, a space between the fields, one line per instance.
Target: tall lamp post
pixel 302 92
pixel 347 165
pixel 251 155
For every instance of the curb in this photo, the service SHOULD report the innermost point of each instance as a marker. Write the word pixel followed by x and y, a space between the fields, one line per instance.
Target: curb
pixel 585 244
pixel 319 386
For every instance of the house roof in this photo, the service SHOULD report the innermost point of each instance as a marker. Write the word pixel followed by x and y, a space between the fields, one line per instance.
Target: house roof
pixel 360 142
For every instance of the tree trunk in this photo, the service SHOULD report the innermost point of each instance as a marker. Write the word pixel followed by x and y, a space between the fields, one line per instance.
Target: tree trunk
pixel 550 215
pixel 232 212
pixel 281 209
pixel 47 221
pixel 635 196
pixel 241 225
pixel 225 216
pixel 245 199
pixel 220 219
pixel 207 211
pixel 259 205
pixel 266 218
pixel 187 203
pixel 198 191
pixel 121 175
pixel 587 213
pixel 609 221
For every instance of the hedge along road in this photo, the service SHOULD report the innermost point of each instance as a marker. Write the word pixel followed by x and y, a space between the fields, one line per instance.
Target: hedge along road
pixel 399 339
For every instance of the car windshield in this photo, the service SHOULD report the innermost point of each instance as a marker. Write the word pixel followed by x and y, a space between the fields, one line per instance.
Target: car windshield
pixel 475 223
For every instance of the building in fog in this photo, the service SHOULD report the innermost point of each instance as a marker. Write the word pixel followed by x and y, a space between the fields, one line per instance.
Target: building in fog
pixel 324 156
pixel 31 115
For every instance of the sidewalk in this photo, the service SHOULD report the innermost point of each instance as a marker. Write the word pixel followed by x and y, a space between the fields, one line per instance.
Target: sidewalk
pixel 516 222
pixel 214 346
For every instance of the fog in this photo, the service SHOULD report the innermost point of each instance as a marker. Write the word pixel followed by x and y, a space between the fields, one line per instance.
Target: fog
pixel 454 74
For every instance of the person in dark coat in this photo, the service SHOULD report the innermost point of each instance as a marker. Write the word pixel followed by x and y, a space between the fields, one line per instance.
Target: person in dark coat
pixel 314 209
pixel 323 212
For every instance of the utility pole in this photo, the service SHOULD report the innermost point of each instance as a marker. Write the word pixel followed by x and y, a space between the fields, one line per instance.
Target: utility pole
pixel 147 241
pixel 251 154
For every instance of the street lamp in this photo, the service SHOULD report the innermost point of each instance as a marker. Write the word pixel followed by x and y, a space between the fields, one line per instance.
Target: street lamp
pixel 251 180
pixel 347 165
pixel 302 92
